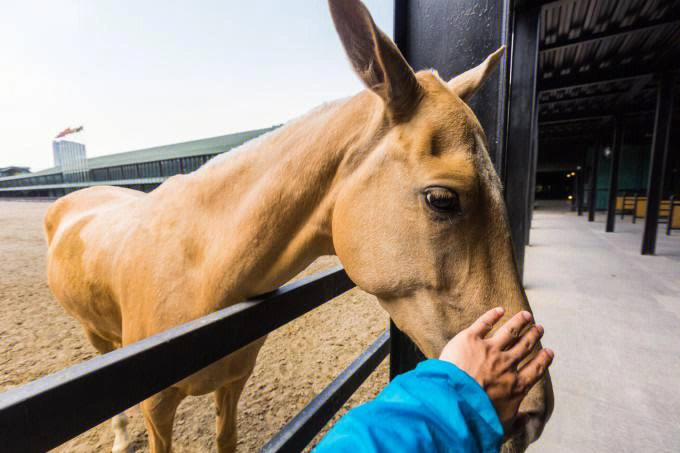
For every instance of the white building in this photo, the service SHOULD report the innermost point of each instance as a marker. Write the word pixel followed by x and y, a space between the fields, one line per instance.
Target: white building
pixel 71 158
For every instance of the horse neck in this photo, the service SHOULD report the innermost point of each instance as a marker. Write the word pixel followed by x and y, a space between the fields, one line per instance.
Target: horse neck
pixel 269 204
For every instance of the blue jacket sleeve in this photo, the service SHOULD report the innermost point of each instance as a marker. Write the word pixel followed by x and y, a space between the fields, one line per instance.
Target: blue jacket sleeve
pixel 435 408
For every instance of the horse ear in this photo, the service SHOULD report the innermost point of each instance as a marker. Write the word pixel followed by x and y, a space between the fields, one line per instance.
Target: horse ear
pixel 376 59
pixel 466 84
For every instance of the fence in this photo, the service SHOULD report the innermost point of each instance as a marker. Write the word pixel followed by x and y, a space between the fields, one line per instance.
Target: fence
pixel 45 413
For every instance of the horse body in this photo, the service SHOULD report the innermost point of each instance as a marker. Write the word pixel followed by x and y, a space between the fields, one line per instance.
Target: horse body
pixel 356 178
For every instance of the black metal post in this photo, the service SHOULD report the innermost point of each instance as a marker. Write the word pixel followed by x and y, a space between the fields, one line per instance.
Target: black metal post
pixel 404 354
pixel 592 195
pixel 300 431
pixel 518 159
pixel 579 190
pixel 532 175
pixel 614 174
pixel 453 37
pixel 574 191
pixel 662 128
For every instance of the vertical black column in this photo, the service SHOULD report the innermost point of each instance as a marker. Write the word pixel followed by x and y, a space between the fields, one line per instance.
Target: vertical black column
pixel 532 174
pixel 518 159
pixel 592 195
pixel 614 174
pixel 580 176
pixel 404 354
pixel 574 191
pixel 453 37
pixel 662 128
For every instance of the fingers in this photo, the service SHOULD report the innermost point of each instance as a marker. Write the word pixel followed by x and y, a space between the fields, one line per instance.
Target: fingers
pixel 534 370
pixel 525 345
pixel 485 323
pixel 509 332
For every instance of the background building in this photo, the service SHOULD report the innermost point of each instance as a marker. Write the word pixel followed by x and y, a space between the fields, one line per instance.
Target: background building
pixel 13 171
pixel 71 158
pixel 142 169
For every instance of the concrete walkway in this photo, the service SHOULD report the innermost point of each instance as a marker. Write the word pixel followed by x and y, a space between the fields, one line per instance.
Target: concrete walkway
pixel 613 318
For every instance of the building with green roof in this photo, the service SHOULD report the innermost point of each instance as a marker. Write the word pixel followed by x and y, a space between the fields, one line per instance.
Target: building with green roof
pixel 142 169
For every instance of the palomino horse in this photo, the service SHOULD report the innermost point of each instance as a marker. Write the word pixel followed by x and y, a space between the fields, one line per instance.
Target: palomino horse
pixel 396 181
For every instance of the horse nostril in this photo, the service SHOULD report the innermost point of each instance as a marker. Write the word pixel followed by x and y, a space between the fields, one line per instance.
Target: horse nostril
pixel 525 430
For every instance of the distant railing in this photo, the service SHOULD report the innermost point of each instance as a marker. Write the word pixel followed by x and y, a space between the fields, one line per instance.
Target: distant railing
pixel 47 412
pixel 83 184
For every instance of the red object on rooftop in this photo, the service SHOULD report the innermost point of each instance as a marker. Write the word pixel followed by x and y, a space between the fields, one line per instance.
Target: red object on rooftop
pixel 68 131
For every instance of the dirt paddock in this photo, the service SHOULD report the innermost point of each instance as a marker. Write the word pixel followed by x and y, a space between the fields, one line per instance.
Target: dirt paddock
pixel 298 360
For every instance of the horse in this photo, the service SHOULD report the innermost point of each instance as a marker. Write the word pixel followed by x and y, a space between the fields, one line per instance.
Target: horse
pixel 395 180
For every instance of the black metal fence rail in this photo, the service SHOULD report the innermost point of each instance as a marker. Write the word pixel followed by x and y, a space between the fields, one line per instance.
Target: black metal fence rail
pixel 309 421
pixel 45 413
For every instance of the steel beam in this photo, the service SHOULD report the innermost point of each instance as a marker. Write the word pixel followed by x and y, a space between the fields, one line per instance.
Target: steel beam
pixel 660 139
pixel 637 87
pixel 551 3
pixel 609 34
pixel 603 116
pixel 583 98
pixel 575 119
pixel 580 80
pixel 614 173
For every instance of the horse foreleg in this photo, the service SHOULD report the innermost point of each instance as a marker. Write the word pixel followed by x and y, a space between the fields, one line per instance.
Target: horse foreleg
pixel 226 397
pixel 226 400
pixel 121 439
pixel 159 413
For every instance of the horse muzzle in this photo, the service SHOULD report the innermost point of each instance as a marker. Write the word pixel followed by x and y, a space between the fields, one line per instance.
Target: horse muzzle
pixel 534 413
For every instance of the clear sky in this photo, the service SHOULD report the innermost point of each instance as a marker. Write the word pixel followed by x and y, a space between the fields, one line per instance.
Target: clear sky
pixel 145 73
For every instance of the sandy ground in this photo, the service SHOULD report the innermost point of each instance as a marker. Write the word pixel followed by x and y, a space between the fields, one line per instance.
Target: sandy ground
pixel 298 360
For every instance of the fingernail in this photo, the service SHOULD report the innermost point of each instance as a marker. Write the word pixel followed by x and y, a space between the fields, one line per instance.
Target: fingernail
pixel 526 315
pixel 550 353
pixel 539 328
pixel 500 310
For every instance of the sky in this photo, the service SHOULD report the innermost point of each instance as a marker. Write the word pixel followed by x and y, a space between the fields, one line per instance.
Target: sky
pixel 141 74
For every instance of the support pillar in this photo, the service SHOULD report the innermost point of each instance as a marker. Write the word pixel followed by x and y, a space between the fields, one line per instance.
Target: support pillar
pixel 592 195
pixel 580 176
pixel 574 191
pixel 404 354
pixel 660 138
pixel 532 175
pixel 614 174
pixel 518 159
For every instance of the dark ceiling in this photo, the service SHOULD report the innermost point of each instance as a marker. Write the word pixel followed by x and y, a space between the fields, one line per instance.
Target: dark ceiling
pixel 600 57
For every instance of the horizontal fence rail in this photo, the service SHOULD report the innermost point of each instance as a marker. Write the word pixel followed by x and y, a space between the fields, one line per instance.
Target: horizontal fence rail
pixel 301 430
pixel 47 412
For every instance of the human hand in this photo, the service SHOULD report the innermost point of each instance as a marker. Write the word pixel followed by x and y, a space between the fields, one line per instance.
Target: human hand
pixel 494 362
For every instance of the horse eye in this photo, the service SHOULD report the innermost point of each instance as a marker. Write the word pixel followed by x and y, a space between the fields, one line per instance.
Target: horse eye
pixel 441 199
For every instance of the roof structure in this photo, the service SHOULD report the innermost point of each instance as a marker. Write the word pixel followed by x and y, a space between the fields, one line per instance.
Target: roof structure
pixel 213 145
pixel 12 170
pixel 598 57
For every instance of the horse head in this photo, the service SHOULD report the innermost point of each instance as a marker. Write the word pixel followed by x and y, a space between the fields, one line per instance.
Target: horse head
pixel 421 222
